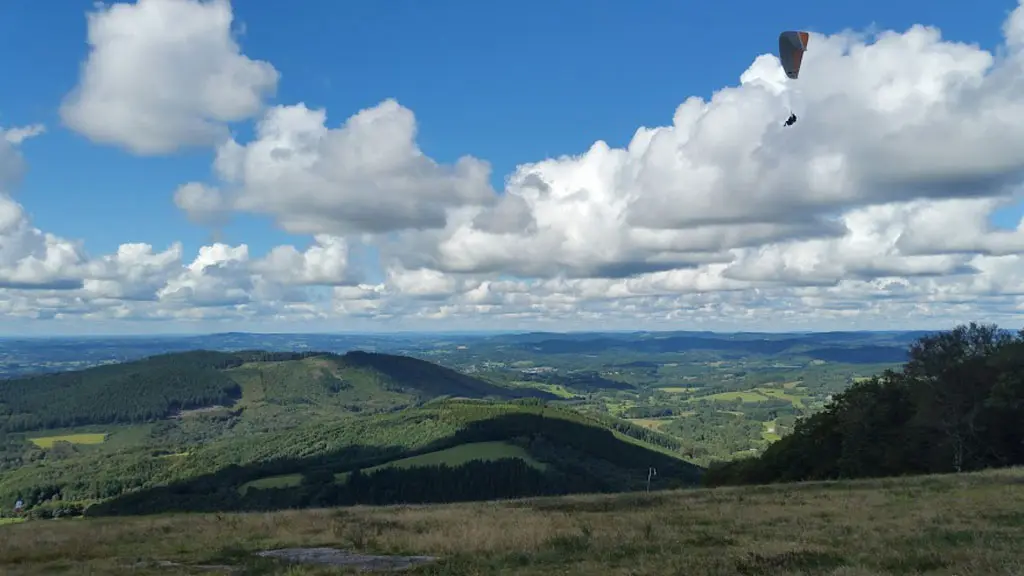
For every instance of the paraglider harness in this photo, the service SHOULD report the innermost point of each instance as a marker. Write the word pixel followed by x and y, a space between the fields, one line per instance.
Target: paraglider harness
pixel 791 121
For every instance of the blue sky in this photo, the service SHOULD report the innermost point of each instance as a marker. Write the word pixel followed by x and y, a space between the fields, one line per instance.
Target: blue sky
pixel 505 82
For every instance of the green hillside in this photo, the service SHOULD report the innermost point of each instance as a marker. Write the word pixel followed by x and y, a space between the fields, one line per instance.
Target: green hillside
pixel 163 386
pixel 446 451
pixel 308 430
pixel 317 418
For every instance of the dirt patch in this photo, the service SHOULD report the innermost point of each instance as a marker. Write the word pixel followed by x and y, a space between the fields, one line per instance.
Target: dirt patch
pixel 334 557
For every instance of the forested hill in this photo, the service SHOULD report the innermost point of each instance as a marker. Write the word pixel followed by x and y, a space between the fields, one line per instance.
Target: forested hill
pixel 956 405
pixel 449 450
pixel 444 450
pixel 161 386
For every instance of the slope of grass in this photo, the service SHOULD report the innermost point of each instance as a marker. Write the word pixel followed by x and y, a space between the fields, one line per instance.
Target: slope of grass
pixel 744 396
pixel 315 384
pixel 48 441
pixel 458 455
pixel 753 395
pixel 679 389
pixel 455 456
pixel 955 524
pixel 652 423
pixel 770 433
pixel 282 481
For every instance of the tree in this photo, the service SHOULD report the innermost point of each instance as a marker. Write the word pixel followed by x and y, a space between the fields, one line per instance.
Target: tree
pixel 956 405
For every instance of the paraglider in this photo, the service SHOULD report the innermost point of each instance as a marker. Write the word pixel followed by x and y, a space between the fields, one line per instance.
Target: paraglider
pixel 792 45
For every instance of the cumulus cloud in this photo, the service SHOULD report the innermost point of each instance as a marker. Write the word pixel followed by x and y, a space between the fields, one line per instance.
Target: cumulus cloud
pixel 164 74
pixel 29 258
pixel 873 210
pixel 325 263
pixel 202 204
pixel 11 164
pixel 908 117
pixel 367 175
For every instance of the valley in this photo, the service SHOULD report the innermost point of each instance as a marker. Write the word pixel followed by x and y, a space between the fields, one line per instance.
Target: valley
pixel 513 417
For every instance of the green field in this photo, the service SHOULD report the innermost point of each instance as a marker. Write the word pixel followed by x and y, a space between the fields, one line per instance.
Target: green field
pixel 47 441
pixel 652 423
pixel 754 395
pixel 283 481
pixel 486 451
pixel 556 389
pixel 744 396
pixel 5 521
pixel 679 389
pixel 781 395
pixel 458 455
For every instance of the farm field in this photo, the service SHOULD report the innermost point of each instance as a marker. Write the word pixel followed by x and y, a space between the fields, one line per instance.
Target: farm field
pixel 48 441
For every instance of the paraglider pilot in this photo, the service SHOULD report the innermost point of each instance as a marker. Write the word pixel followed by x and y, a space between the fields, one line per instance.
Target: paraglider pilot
pixel 792 45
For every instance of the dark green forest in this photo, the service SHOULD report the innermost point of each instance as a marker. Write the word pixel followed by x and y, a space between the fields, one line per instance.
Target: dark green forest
pixel 957 405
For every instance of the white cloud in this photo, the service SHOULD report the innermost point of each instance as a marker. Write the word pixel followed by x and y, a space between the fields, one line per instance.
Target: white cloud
pixel 202 204
pixel 164 74
pixel 11 163
pixel 324 263
pixel 135 272
pixel 29 258
pixel 907 117
pixel 367 175
pixel 872 211
pixel 218 277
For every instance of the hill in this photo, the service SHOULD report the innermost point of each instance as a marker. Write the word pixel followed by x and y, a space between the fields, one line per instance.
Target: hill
pixel 162 386
pixel 22 356
pixel 233 460
pixel 946 524
pixel 448 451
pixel 852 348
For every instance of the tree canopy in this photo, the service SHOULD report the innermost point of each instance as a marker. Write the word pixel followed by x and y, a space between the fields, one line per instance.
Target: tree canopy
pixel 956 405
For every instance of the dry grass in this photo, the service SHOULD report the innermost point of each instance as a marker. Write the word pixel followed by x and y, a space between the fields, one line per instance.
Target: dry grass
pixel 969 524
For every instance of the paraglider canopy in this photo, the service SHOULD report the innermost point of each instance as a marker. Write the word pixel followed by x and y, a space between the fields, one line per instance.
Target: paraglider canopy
pixel 792 45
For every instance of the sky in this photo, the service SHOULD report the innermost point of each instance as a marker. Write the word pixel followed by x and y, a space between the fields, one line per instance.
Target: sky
pixel 202 166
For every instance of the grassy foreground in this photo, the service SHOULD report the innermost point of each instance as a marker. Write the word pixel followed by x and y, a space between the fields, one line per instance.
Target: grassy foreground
pixel 968 524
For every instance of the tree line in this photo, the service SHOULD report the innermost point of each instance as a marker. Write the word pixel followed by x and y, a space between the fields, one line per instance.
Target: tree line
pixel 955 406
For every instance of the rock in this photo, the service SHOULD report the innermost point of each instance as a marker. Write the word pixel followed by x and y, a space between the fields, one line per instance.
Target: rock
pixel 334 557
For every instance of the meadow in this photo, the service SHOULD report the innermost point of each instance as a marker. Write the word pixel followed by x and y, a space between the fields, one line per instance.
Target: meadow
pixel 455 456
pixel 964 524
pixel 88 439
